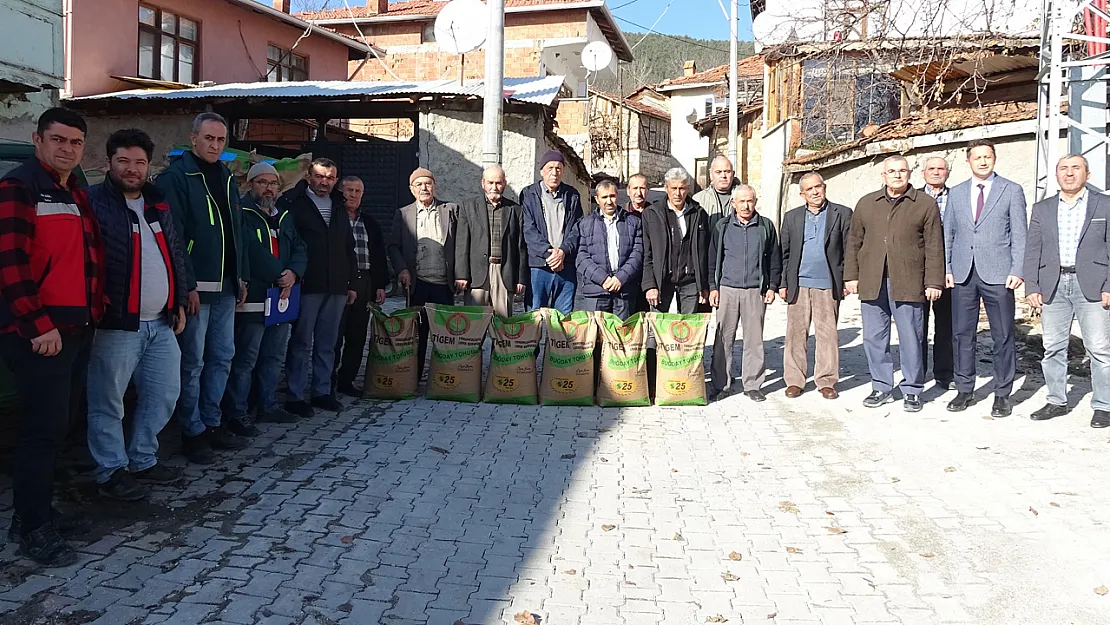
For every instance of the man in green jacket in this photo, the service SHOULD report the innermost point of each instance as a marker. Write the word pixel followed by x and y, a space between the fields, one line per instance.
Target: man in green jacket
pixel 278 258
pixel 204 200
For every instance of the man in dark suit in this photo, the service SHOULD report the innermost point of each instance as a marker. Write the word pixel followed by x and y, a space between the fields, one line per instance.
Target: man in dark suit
pixel 936 179
pixel 1067 256
pixel 895 261
pixel 984 241
pixel 490 254
pixel 422 249
pixel 676 249
pixel 813 238
pixel 610 255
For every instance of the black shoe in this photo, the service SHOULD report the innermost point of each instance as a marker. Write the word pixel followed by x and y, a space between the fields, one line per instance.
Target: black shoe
pixel 45 546
pixel 961 402
pixel 878 398
pixel 158 474
pixel 945 384
pixel 242 427
pixel 911 403
pixel 1002 408
pixel 350 390
pixel 300 408
pixel 1049 411
pixel 756 395
pixel 66 524
pixel 224 439
pixel 196 449
pixel 327 402
pixel 121 485
pixel 1101 419
pixel 277 416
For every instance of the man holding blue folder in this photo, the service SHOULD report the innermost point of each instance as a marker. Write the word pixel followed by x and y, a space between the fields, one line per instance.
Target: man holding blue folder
pixel 278 258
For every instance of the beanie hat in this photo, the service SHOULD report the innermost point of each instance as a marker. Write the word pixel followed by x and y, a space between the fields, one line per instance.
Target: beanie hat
pixel 258 169
pixel 552 155
pixel 420 173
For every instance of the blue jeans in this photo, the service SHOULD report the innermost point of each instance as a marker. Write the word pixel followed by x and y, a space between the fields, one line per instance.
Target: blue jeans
pixel 259 355
pixel 207 346
pixel 148 357
pixel 314 336
pixel 553 290
pixel 1094 324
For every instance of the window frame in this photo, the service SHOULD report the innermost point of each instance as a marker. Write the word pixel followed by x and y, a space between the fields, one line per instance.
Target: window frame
pixel 284 62
pixel 178 40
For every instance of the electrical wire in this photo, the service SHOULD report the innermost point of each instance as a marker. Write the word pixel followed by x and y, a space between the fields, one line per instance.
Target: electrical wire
pixel 354 22
pixel 656 23
pixel 686 41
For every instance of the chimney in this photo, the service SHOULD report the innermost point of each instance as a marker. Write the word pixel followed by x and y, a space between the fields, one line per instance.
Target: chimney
pixel 689 68
pixel 282 5
pixel 377 7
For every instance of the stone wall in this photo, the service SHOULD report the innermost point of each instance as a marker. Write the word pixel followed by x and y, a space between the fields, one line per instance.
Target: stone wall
pixel 19 113
pixel 166 131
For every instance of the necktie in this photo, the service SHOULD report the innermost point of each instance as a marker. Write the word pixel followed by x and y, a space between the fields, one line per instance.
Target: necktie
pixel 979 203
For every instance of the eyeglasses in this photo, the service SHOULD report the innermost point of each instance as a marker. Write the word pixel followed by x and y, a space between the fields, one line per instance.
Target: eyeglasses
pixel 267 184
pixel 903 172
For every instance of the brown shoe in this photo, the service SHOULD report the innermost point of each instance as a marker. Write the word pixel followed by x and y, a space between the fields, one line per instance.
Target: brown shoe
pixel 829 392
pixel 793 391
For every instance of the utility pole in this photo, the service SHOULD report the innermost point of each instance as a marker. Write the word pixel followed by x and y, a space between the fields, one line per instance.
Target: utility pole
pixel 733 115
pixel 493 105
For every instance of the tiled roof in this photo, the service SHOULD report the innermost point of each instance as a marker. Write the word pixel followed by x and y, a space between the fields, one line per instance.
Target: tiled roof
pixel 412 7
pixel 939 120
pixel 639 107
pixel 750 67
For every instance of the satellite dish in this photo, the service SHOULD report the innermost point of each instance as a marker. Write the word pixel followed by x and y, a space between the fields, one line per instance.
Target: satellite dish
pixel 461 26
pixel 597 56
pixel 789 20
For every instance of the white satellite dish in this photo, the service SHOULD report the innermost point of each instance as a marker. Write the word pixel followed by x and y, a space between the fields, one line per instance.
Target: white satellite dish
pixel 596 56
pixel 461 26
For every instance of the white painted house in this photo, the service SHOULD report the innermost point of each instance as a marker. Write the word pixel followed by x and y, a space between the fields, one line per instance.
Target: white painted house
pixel 31 68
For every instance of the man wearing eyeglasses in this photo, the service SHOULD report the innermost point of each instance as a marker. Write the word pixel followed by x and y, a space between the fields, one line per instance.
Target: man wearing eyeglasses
pixel 894 261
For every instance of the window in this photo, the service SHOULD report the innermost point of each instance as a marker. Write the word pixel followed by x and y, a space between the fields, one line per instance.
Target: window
pixel 715 105
pixel 655 135
pixel 283 65
pixel 167 46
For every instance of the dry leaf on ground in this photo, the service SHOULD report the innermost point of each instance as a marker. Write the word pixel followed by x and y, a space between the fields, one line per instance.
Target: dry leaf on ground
pixel 949 469
pixel 608 528
pixel 605 460
pixel 836 530
pixel 525 618
pixel 1101 591
pixel 772 615
pixel 793 550
pixel 735 556
pixel 1034 511
pixel 1054 504
pixel 678 536
pixel 927 555
pixel 346 540
pixel 570 572
pixel 716 619
pixel 788 506
pixel 567 457
pixel 728 576
pixel 894 479
pixel 439 450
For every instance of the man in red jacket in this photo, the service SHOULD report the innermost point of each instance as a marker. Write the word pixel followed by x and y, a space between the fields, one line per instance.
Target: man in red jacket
pixel 51 297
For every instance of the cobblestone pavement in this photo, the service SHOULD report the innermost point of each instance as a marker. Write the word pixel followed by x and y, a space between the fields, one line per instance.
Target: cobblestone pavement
pixel 790 511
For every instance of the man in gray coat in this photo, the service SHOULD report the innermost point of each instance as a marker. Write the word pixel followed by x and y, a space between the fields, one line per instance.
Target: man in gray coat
pixel 716 199
pixel 984 242
pixel 491 259
pixel 1067 256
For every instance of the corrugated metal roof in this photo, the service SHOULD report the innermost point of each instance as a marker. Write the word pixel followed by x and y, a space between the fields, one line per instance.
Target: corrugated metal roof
pixel 529 90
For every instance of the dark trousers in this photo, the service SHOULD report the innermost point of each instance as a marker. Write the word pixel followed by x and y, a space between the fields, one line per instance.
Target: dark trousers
pixel 620 304
pixel 687 295
pixel 999 304
pixel 428 293
pixel 942 337
pixel 50 389
pixel 909 318
pixel 350 349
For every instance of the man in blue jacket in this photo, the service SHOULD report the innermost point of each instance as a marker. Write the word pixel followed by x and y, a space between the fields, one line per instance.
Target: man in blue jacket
pixel 610 255
pixel 204 199
pixel 278 259
pixel 552 212
pixel 144 285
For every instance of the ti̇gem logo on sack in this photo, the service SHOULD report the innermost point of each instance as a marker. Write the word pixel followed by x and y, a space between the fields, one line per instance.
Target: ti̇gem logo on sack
pixel 392 326
pixel 681 331
pixel 512 331
pixel 457 324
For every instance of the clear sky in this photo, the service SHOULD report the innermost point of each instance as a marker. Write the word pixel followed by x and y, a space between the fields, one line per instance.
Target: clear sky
pixel 701 19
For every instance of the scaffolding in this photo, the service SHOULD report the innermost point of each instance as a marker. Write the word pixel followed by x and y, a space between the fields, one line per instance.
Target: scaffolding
pixel 1073 69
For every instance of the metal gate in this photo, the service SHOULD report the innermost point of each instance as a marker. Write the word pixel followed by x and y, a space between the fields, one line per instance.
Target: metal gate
pixel 384 167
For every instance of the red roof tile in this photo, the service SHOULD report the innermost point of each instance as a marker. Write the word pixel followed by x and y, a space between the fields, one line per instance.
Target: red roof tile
pixel 750 67
pixel 411 7
pixel 639 107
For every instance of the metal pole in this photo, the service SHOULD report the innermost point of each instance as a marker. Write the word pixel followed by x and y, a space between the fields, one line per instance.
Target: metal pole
pixel 733 120
pixel 495 84
pixel 1055 93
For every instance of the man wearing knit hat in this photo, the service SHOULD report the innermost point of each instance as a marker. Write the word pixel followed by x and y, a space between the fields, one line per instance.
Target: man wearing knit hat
pixel 422 249
pixel 552 211
pixel 277 258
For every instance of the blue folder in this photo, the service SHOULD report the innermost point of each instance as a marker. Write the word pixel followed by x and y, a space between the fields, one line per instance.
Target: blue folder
pixel 281 310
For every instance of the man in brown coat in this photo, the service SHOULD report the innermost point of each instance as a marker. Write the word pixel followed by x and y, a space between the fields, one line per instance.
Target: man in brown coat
pixel 895 262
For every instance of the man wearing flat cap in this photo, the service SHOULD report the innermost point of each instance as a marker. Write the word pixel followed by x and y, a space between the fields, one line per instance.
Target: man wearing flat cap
pixel 552 211
pixel 422 249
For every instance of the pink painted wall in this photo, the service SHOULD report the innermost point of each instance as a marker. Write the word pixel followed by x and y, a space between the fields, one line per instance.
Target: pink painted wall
pixel 105 42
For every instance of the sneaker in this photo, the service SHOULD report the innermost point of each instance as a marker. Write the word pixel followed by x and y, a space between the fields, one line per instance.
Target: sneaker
pixel 121 485
pixel 196 449
pixel 277 416
pixel 222 438
pixel 878 398
pixel 66 524
pixel 242 427
pixel 300 408
pixel 911 403
pixel 45 546
pixel 327 402
pixel 158 474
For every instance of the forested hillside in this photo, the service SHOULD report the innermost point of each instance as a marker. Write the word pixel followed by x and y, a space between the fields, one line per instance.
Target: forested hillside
pixel 660 57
